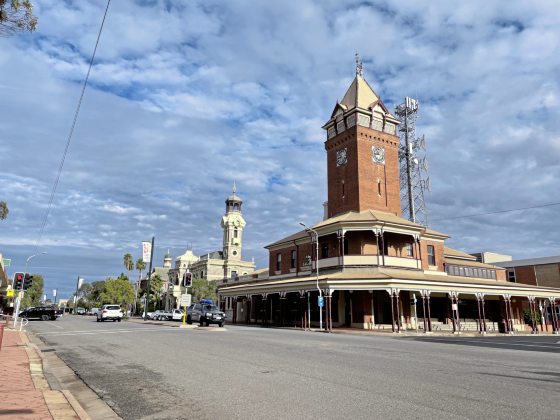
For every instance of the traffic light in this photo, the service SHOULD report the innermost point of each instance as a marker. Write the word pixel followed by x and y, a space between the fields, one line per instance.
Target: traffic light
pixel 187 279
pixel 27 281
pixel 18 281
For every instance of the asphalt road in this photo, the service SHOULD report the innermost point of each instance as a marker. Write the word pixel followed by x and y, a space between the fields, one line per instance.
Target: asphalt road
pixel 162 372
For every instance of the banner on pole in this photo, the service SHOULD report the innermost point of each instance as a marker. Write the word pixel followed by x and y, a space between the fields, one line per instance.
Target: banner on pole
pixel 146 251
pixel 80 282
pixel 54 292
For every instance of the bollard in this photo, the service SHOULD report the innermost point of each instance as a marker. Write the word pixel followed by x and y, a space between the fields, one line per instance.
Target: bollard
pixel 1 335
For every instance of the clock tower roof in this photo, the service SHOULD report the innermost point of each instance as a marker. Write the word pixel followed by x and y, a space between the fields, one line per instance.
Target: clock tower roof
pixel 360 96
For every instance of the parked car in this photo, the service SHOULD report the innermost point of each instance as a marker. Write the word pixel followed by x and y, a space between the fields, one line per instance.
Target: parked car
pixel 110 313
pixel 80 311
pixel 44 313
pixel 205 313
pixel 93 311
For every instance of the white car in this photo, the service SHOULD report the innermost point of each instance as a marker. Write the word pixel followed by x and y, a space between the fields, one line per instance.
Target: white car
pixel 109 313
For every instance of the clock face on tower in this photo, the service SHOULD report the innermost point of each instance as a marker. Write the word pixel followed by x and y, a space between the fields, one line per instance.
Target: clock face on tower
pixel 341 157
pixel 378 154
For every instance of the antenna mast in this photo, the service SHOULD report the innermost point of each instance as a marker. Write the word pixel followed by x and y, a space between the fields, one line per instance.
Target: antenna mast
pixel 413 167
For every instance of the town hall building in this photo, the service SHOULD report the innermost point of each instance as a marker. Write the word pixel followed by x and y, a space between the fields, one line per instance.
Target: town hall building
pixel 373 268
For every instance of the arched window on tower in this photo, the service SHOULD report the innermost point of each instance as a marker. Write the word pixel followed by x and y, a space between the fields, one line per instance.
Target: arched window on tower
pixel 235 233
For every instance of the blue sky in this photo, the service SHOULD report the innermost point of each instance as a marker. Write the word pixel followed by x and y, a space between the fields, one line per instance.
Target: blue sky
pixel 186 97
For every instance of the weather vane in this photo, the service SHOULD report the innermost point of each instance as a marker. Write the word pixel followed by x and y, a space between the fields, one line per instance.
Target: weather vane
pixel 358 65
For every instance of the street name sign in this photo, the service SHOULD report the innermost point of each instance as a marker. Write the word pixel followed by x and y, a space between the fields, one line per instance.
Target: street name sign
pixel 7 262
pixel 186 299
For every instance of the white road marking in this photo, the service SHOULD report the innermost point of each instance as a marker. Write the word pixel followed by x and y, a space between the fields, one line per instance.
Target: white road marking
pixel 93 332
pixel 496 342
pixel 52 324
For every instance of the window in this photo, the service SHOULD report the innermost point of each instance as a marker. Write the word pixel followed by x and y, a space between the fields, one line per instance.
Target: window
pixel 511 276
pixel 378 187
pixel 409 250
pixel 343 190
pixel 233 274
pixel 278 262
pixel 325 251
pixel 293 259
pixel 431 255
pixel 235 233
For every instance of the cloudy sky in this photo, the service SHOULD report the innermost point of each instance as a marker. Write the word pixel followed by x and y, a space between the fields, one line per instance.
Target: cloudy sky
pixel 186 97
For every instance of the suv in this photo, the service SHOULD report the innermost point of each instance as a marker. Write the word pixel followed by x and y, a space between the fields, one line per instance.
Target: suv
pixel 205 312
pixel 42 313
pixel 109 312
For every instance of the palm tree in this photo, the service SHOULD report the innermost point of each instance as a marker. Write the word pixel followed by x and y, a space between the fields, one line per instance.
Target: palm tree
pixel 140 265
pixel 128 262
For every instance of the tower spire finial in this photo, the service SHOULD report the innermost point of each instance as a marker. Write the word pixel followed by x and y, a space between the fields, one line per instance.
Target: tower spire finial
pixel 359 66
pixel 234 187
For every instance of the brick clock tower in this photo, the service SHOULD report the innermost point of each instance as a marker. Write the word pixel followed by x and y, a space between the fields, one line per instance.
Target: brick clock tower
pixel 362 153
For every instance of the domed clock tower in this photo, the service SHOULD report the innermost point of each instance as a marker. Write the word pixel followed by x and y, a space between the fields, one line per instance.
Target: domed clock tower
pixel 233 223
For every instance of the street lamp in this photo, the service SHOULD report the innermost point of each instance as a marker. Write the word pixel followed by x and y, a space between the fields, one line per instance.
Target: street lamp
pixel 20 293
pixel 308 229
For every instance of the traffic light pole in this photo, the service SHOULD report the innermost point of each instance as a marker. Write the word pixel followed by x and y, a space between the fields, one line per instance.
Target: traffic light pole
pixel 21 291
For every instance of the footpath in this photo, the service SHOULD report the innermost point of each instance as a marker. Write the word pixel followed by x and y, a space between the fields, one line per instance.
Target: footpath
pixel 24 392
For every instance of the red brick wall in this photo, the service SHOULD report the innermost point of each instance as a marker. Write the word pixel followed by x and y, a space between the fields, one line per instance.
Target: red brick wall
pixel 438 247
pixel 285 267
pixel 360 174
pixel 525 275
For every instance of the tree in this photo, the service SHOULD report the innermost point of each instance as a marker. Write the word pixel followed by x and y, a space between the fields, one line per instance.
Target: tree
pixel 3 208
pixel 34 294
pixel 94 295
pixel 204 289
pixel 140 265
pixel 128 262
pixel 16 16
pixel 117 290
pixel 156 285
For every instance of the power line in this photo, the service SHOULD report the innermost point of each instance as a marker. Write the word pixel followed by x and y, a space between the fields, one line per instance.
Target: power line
pixel 61 165
pixel 497 212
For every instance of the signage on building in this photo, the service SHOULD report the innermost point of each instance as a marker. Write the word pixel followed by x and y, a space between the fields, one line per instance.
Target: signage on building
pixel 186 299
pixel 6 262
pixel 146 251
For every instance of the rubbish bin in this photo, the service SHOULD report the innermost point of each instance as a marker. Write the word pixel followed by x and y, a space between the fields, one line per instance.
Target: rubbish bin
pixel 1 335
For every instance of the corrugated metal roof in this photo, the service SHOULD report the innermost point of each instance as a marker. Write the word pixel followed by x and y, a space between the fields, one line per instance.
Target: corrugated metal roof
pixel 529 261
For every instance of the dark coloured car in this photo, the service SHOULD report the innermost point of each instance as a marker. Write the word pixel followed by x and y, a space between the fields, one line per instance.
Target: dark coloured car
pixel 44 313
pixel 205 313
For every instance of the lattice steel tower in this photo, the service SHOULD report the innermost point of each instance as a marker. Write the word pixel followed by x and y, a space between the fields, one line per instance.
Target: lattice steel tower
pixel 413 167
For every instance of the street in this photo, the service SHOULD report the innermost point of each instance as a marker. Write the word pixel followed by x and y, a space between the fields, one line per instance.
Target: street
pixel 156 371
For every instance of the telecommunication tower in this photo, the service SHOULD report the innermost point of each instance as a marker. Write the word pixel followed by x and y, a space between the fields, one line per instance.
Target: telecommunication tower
pixel 413 167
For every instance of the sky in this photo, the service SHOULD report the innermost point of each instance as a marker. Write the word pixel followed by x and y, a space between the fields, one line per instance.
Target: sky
pixel 185 98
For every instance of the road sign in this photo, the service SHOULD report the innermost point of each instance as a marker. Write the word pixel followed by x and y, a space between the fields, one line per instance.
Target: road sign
pixel 321 301
pixel 186 299
pixel 10 293
pixel 7 262
pixel 453 306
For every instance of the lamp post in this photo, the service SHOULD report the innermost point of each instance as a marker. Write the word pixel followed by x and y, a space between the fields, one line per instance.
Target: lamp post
pixel 308 229
pixel 20 292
